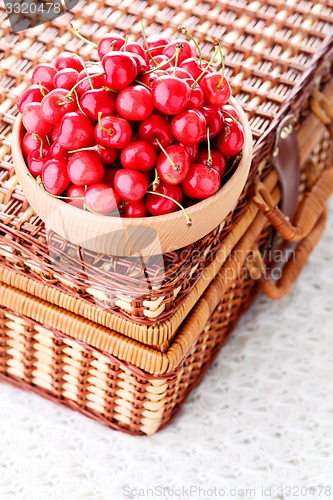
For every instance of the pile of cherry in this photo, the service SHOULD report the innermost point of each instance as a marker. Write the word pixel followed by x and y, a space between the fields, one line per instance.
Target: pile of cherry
pixel 145 130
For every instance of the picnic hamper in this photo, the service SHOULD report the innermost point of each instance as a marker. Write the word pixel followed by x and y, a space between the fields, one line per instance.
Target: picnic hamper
pixel 124 340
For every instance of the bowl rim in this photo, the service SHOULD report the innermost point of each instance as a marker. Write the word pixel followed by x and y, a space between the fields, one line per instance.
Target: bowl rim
pixel 241 171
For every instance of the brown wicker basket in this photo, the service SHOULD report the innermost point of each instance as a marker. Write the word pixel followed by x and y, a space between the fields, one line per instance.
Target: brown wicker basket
pixel 91 331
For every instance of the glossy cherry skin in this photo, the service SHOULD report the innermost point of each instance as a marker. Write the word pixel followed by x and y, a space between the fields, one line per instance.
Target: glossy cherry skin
pixel 66 78
pixel 214 119
pixel 137 209
pixel 150 78
pixel 113 132
pixel 120 69
pixel 218 160
pixel 192 66
pixel 85 168
pixel 179 73
pixel 228 109
pixel 109 174
pixel 163 62
pixel 189 127
pixel 131 185
pixel 29 143
pixel 55 177
pixel 57 151
pixel 173 174
pixel 76 192
pixel 197 98
pixel 98 100
pixel 192 151
pixel 138 155
pixel 107 155
pixel 54 106
pixel 136 48
pixel 110 43
pixel 97 82
pixel 36 160
pixel 67 60
pixel 101 198
pixel 170 94
pixel 33 120
pixel 216 93
pixel 186 52
pixel 156 126
pixel 157 205
pixel 201 182
pixel 230 141
pixel 156 40
pixel 55 132
pixel 134 103
pixel 44 73
pixel 31 94
pixel 76 131
pixel 141 64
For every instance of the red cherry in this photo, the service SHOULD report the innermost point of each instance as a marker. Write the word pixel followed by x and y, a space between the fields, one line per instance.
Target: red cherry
pixel 201 182
pixel 31 94
pixel 98 100
pixel 113 132
pixel 109 176
pixel 37 159
pixel 54 105
pixel 163 61
pixel 186 52
pixel 131 185
pixel 76 131
pixel 141 64
pixel 191 65
pixel 55 132
pixel 179 73
pixel 138 155
pixel 156 40
pixel 33 120
pixel 110 43
pixel 120 69
pixel 136 48
pixel 156 126
pixel 151 77
pixel 29 143
pixel 192 150
pixel 218 160
pixel 55 177
pixel 228 110
pixel 174 166
pixel 97 82
pixel 230 141
pixel 85 168
pixel 107 155
pixel 136 209
pixel 68 60
pixel 135 103
pixel 157 205
pixel 66 78
pixel 57 151
pixel 196 99
pixel 189 127
pixel 170 94
pixel 216 89
pixel 76 192
pixel 214 119
pixel 44 73
pixel 101 198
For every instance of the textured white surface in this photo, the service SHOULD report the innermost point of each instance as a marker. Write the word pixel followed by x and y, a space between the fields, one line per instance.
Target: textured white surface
pixel 262 416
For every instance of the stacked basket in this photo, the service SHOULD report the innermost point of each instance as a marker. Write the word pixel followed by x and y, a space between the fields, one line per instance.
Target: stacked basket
pixel 125 339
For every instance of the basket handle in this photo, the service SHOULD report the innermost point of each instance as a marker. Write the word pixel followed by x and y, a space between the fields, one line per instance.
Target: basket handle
pixel 293 267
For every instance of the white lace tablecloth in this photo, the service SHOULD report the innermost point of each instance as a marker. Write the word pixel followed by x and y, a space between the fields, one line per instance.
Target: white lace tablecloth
pixel 261 420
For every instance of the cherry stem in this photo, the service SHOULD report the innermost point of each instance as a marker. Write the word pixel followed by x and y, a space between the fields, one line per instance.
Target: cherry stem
pixel 160 66
pixel 39 181
pixel 97 147
pixel 237 159
pixel 146 43
pixel 209 160
pixel 69 95
pixel 204 71
pixel 188 218
pixel 78 103
pixel 126 41
pixel 191 37
pixel 173 164
pixel 154 185
pixel 78 34
pixel 84 67
pixel 178 51
pixel 38 138
pixel 229 115
pixel 219 85
pixel 109 131
pixel 41 89
pixel 143 84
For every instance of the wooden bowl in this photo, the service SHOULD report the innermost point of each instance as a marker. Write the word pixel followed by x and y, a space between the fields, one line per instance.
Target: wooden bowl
pixel 138 236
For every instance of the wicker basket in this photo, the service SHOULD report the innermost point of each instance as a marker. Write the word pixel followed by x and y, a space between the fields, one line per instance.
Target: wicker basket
pixel 86 329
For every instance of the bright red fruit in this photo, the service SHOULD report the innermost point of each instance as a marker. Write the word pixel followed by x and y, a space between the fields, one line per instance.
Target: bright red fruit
pixel 55 105
pixel 216 89
pixel 173 167
pixel 107 155
pixel 201 182
pixel 120 69
pixel 189 127
pixel 76 131
pixel 192 150
pixel 98 100
pixel 218 160
pixel 158 205
pixel 66 78
pixel 136 48
pixel 110 43
pixel 156 126
pixel 55 177
pixel 44 73
pixel 101 198
pixel 196 99
pixel 230 141
pixel 76 192
pixel 37 160
pixel 186 50
pixel 113 132
pixel 214 120
pixel 29 143
pixel 109 176
pixel 57 151
pixel 192 66
pixel 170 94
pixel 85 168
pixel 136 209
pixel 97 82
pixel 31 94
pixel 156 40
pixel 135 103
pixel 138 155
pixel 228 110
pixel 131 185
pixel 33 120
pixel 68 60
